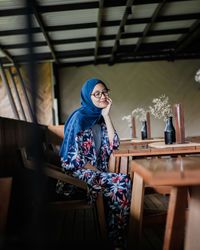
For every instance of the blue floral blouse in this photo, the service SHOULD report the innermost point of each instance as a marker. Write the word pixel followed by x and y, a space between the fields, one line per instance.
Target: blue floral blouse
pixel 83 150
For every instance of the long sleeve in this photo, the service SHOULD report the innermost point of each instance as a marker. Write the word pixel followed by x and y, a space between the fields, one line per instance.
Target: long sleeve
pixel 75 157
pixel 109 147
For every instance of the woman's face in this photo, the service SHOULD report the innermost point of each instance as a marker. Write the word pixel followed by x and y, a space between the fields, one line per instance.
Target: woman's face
pixel 99 96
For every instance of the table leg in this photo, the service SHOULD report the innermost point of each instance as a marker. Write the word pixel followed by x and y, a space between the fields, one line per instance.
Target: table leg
pixel 175 225
pixel 192 239
pixel 136 212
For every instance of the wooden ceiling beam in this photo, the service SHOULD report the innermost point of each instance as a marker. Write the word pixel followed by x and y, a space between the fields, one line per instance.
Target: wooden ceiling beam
pixel 188 55
pixel 98 32
pixel 76 6
pixel 103 24
pixel 186 39
pixel 90 52
pixel 42 27
pixel 124 51
pixel 127 12
pixel 6 54
pixel 102 38
pixel 149 25
pixel 166 57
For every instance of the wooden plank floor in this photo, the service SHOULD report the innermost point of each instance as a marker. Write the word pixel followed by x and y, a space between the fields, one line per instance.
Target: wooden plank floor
pixel 80 227
pixel 153 235
pixel 77 228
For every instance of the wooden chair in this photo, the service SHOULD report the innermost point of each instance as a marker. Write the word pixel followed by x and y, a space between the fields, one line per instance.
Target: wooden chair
pixel 151 216
pixel 51 170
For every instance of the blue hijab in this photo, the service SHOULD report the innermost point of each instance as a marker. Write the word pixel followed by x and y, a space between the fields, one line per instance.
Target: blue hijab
pixel 81 119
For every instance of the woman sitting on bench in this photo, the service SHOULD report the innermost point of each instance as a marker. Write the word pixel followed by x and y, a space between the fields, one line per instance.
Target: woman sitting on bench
pixel 89 138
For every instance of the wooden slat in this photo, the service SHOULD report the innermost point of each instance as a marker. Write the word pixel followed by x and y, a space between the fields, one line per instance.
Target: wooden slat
pixel 112 163
pixel 124 165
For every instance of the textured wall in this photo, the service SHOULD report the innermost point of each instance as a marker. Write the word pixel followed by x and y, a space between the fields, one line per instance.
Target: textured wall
pixel 135 85
pixel 44 95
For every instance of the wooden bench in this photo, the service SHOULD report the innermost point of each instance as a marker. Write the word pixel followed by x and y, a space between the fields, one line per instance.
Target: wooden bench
pixel 15 135
pixel 55 172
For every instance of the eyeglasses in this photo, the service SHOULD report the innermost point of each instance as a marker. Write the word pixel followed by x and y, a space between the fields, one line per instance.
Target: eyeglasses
pixel 99 94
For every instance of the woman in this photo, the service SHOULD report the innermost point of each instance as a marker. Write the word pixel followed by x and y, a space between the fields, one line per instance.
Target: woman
pixel 89 138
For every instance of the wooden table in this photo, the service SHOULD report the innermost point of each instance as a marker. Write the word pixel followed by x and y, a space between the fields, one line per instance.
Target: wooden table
pixel 139 141
pixel 180 173
pixel 120 157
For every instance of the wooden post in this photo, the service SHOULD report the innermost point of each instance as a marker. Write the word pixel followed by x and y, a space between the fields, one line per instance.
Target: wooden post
pixel 133 127
pixel 24 93
pixel 179 122
pixel 16 93
pixel 148 125
pixel 5 193
pixel 9 93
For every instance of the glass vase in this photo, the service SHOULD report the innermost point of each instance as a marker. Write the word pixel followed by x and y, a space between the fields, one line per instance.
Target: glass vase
pixel 144 130
pixel 170 134
pixel 131 132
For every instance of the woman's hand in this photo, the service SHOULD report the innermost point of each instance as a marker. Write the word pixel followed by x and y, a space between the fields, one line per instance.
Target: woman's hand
pixel 106 110
pixel 107 119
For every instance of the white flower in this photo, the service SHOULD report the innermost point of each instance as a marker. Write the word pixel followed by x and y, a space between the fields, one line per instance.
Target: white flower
pixel 128 118
pixel 161 108
pixel 139 114
pixel 197 76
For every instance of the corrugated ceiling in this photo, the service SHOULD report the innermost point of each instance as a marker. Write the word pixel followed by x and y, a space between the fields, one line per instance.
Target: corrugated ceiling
pixel 92 32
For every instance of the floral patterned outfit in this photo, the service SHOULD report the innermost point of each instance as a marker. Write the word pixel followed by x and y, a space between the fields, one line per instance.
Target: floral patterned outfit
pixel 115 187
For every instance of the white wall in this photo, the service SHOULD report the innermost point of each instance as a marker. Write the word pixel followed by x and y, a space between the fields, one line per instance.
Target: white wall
pixel 135 85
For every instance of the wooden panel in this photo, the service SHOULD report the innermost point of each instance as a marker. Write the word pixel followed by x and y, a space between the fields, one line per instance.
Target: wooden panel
pixel 15 134
pixel 44 95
